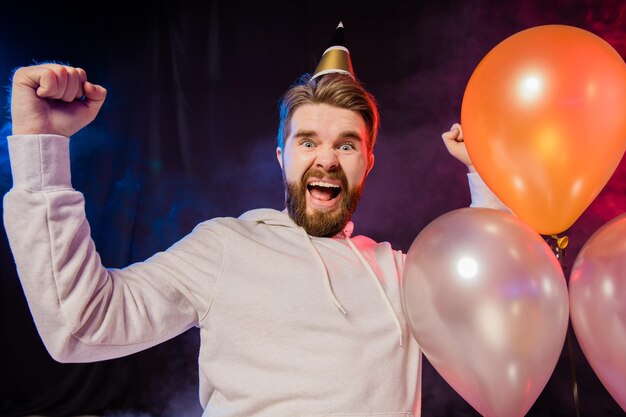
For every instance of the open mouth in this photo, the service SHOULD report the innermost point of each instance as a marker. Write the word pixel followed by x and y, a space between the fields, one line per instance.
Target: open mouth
pixel 323 191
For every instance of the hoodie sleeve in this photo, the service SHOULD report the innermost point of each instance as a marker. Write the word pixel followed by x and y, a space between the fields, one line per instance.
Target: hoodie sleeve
pixel 482 196
pixel 83 311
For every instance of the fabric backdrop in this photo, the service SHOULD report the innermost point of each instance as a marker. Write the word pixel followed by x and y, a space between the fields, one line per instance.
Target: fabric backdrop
pixel 188 133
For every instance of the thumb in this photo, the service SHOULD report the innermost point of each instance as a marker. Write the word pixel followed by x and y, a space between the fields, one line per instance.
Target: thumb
pixel 459 136
pixel 94 95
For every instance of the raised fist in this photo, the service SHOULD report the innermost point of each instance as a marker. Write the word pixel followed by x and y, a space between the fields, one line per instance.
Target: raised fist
pixel 453 139
pixel 53 99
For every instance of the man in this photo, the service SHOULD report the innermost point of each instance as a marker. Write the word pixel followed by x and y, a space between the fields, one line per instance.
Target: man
pixel 296 316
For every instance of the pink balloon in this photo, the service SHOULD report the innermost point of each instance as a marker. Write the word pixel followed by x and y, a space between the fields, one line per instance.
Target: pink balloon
pixel 598 305
pixel 487 302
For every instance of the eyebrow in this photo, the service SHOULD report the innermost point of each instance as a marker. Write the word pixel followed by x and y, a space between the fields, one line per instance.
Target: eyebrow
pixel 351 134
pixel 348 134
pixel 305 133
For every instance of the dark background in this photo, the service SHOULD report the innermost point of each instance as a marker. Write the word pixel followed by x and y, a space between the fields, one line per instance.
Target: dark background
pixel 188 133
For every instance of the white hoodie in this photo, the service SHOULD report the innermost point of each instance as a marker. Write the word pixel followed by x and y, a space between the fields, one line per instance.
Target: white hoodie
pixel 290 324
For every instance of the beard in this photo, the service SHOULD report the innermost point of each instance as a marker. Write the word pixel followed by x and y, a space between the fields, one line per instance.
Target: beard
pixel 321 223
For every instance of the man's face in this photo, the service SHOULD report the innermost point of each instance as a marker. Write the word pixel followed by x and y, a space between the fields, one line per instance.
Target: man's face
pixel 324 161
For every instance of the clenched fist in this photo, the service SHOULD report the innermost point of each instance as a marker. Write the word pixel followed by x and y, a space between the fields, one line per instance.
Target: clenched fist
pixel 453 139
pixel 53 99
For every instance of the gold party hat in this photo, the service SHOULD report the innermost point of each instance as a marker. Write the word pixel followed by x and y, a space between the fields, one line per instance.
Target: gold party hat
pixel 336 58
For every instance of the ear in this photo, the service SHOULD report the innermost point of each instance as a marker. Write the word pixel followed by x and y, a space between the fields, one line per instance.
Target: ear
pixel 370 164
pixel 279 156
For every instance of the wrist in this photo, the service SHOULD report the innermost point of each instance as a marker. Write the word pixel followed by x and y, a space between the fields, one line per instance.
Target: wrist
pixel 18 130
pixel 30 126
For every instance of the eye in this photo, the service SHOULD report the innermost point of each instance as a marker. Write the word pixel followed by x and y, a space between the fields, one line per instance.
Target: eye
pixel 347 147
pixel 307 144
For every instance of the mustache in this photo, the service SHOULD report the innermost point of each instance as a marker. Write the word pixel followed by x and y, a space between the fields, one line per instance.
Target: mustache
pixel 337 174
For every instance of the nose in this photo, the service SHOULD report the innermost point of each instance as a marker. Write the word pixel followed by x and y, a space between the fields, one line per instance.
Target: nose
pixel 327 160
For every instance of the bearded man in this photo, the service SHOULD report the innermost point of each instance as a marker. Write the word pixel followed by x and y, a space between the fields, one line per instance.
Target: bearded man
pixel 297 317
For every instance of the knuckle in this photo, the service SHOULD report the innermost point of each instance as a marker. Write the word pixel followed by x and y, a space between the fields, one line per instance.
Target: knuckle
pixel 20 73
pixel 49 72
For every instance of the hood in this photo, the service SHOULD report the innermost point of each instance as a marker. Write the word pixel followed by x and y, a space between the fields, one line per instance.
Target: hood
pixel 281 218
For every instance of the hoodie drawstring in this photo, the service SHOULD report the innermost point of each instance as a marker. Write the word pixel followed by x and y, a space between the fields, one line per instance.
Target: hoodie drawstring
pixel 380 289
pixel 372 274
pixel 322 266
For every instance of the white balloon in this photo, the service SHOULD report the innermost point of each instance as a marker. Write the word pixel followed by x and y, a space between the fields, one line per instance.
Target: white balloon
pixel 486 300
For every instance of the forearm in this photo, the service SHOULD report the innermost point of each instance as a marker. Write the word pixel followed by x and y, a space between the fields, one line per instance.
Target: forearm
pixel 83 311
pixel 481 195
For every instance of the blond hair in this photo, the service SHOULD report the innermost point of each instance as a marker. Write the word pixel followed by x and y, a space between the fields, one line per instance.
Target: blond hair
pixel 337 90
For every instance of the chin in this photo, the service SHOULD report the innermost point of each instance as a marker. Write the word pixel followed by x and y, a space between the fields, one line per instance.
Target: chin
pixel 310 211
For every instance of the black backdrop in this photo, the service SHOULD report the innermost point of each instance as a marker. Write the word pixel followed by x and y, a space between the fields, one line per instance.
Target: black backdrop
pixel 187 133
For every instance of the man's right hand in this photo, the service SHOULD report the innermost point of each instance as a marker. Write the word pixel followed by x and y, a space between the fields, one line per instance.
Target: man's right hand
pixel 53 99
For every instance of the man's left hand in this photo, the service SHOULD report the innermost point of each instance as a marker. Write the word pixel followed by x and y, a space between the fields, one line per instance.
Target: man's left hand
pixel 453 139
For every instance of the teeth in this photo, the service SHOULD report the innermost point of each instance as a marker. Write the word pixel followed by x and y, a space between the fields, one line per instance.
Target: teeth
pixel 323 184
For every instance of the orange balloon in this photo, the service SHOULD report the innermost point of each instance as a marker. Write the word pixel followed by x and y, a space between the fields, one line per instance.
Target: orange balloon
pixel 544 119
